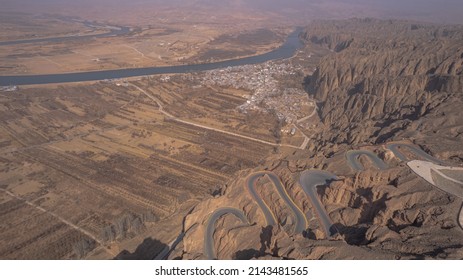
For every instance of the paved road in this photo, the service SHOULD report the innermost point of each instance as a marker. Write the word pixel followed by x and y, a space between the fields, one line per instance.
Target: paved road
pixel 309 181
pixel 315 109
pixel 209 249
pixel 447 178
pixel 394 147
pixel 450 182
pixel 301 221
pixel 306 138
pixel 167 114
pixel 353 159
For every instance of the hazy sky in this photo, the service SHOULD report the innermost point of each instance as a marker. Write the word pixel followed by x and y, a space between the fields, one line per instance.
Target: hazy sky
pixel 426 10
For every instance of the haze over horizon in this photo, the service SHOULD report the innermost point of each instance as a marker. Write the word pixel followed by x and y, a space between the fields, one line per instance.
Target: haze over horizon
pixel 444 11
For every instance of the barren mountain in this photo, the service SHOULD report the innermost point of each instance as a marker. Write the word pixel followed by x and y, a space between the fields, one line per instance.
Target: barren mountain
pixel 384 76
pixel 389 92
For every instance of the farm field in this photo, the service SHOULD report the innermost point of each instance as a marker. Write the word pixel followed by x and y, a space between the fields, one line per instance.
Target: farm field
pixel 95 168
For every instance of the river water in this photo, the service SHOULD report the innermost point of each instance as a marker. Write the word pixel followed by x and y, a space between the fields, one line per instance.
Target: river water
pixel 114 31
pixel 287 50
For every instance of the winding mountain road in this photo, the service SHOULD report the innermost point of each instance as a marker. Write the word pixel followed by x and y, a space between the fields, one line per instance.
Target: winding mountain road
pixel 395 148
pixel 301 220
pixel 309 181
pixel 353 159
pixel 209 249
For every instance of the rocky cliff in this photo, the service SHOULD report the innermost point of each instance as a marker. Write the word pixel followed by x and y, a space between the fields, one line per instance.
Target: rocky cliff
pixel 383 81
pixel 383 75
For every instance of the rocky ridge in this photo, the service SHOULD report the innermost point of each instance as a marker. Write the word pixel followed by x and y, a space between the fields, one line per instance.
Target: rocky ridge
pixel 384 81
pixel 383 75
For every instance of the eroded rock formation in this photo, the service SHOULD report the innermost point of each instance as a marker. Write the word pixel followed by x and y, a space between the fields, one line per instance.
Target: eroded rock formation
pixel 383 81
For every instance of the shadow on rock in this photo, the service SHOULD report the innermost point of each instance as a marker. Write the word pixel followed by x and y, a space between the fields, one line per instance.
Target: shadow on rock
pixel 147 250
pixel 371 208
pixel 265 243
pixel 247 254
pixel 353 235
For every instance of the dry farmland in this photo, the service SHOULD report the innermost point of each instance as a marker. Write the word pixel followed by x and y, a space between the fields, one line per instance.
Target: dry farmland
pixel 93 170
pixel 146 45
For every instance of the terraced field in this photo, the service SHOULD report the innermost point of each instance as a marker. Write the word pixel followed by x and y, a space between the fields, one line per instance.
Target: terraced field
pixel 97 167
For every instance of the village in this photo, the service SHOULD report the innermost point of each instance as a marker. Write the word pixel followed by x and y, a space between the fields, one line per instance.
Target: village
pixel 268 93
